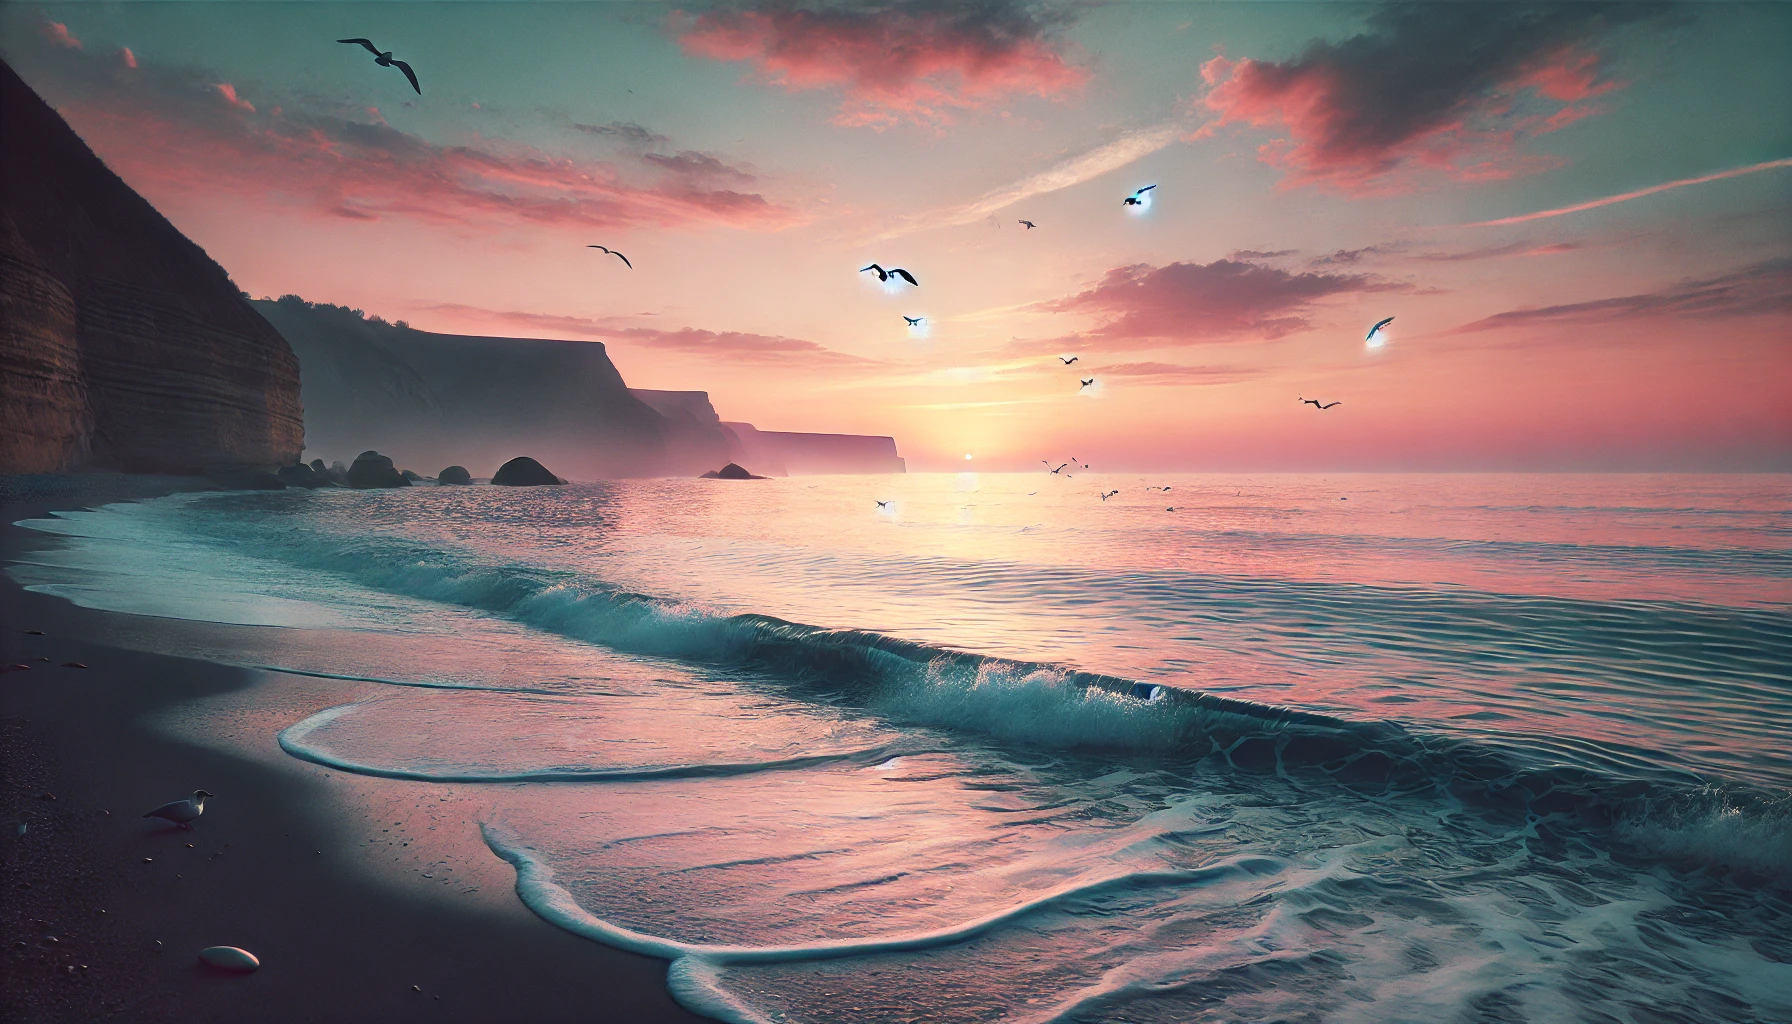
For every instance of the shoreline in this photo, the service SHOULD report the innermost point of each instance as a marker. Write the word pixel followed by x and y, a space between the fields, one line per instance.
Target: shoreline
pixel 278 865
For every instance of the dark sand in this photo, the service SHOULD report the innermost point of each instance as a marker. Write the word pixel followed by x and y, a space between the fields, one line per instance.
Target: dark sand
pixel 335 944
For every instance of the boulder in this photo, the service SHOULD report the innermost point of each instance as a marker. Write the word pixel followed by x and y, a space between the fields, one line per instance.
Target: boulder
pixel 523 471
pixel 454 475
pixel 329 476
pixel 229 958
pixel 412 475
pixel 729 472
pixel 371 469
pixel 300 475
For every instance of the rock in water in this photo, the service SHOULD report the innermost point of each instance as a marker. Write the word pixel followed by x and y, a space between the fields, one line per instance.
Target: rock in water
pixel 454 475
pixel 300 475
pixel 523 471
pixel 371 469
pixel 730 472
pixel 229 958
pixel 412 475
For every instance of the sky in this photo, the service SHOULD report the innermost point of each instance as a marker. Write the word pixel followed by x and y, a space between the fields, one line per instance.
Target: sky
pixel 1579 215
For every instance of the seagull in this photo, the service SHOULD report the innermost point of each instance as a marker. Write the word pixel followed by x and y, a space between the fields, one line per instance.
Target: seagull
pixel 385 60
pixel 1314 402
pixel 1030 225
pixel 182 812
pixel 1067 362
pixel 1135 199
pixel 1377 328
pixel 914 321
pixel 616 254
pixel 1108 495
pixel 1172 508
pixel 1086 383
pixel 885 275
pixel 1060 469
pixel 884 504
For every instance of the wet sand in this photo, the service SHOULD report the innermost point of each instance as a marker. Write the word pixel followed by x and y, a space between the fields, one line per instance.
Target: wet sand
pixel 275 865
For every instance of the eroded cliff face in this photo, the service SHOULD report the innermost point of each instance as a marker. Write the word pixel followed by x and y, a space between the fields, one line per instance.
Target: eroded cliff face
pixel 122 345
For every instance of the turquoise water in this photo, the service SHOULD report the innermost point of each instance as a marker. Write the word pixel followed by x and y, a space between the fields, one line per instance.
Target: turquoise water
pixel 1283 747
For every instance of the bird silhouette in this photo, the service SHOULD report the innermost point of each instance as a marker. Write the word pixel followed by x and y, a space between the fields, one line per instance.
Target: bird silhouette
pixel 384 60
pixel 1060 469
pixel 1136 199
pixel 1314 402
pixel 182 812
pixel 1086 383
pixel 884 504
pixel 1172 508
pixel 1067 362
pixel 1030 225
pixel 616 254
pixel 914 321
pixel 1108 495
pixel 885 275
pixel 1377 329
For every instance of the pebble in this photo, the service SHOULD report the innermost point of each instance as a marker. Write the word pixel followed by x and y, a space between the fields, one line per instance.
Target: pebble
pixel 416 988
pixel 229 958
pixel 149 860
pixel 33 632
pixel 16 668
pixel 73 664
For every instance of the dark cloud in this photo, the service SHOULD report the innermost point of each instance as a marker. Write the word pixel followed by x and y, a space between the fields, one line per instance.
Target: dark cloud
pixel 1349 256
pixel 626 131
pixel 1260 254
pixel 1765 288
pixel 896 60
pixel 694 166
pixel 1195 303
pixel 1450 86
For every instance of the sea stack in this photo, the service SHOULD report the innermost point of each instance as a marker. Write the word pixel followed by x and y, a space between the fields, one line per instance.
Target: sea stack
pixel 731 471
pixel 523 471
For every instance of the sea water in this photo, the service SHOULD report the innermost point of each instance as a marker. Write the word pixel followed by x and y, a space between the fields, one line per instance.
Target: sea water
pixel 1217 748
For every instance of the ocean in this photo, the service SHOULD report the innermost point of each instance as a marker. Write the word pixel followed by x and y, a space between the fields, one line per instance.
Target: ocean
pixel 1217 748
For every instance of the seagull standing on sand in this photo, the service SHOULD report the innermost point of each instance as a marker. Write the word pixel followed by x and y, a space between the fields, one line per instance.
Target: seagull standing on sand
pixel 385 60
pixel 182 812
pixel 616 254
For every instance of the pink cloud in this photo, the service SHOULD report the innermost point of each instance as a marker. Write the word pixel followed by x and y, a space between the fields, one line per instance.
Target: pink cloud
pixel 919 61
pixel 172 128
pixel 228 91
pixel 129 58
pixel 1450 89
pixel 58 33
pixel 1195 303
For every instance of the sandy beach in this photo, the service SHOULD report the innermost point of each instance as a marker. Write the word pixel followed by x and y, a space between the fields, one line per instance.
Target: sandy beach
pixel 105 911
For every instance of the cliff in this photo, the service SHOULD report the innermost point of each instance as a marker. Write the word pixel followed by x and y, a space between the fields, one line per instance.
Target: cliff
pixel 788 453
pixel 694 433
pixel 432 400
pixel 122 345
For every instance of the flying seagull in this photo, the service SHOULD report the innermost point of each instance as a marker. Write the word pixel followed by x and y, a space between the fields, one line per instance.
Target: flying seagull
pixel 1377 328
pixel 384 60
pixel 1314 402
pixel 1030 225
pixel 914 321
pixel 884 504
pixel 1067 362
pixel 1060 469
pixel 1086 383
pixel 885 275
pixel 616 254
pixel 1136 199
pixel 1108 495
pixel 182 812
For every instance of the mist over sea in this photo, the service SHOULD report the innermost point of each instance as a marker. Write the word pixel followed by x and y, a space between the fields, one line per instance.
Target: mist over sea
pixel 1280 747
